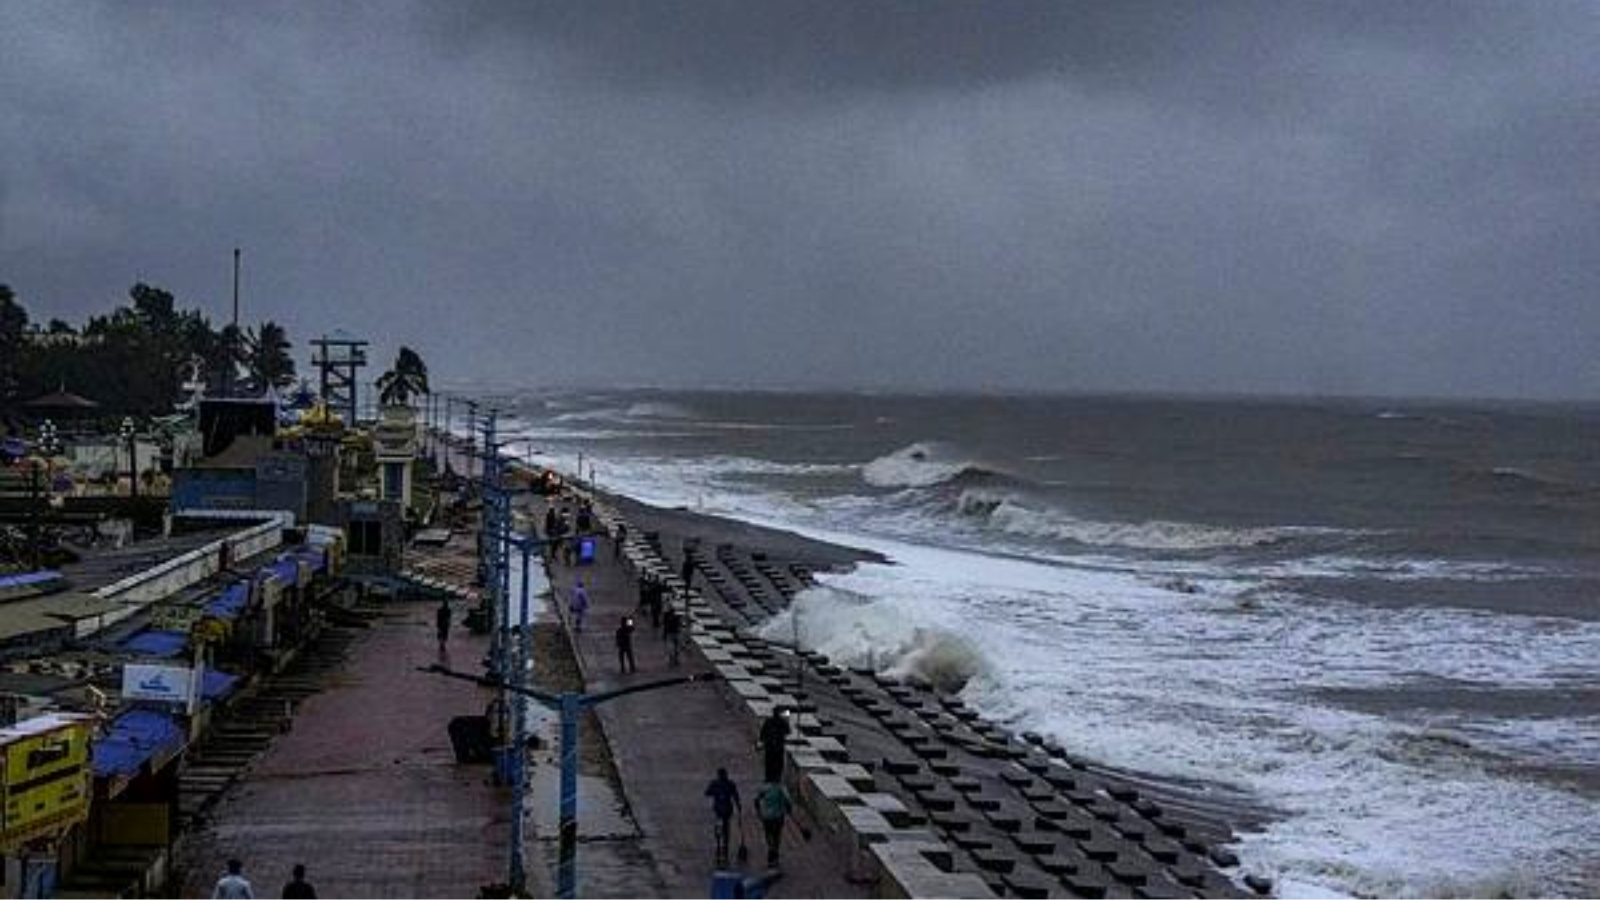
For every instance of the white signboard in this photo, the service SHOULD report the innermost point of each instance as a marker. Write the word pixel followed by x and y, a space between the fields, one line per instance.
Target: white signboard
pixel 177 684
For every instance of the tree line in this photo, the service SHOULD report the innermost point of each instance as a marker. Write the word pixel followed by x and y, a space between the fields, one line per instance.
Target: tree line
pixel 135 359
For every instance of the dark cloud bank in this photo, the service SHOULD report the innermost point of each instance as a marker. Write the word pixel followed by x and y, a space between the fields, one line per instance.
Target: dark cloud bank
pixel 1317 197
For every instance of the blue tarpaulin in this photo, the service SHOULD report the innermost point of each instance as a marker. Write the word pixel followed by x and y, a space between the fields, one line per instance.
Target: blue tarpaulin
pixel 157 643
pixel 228 604
pixel 215 685
pixel 28 579
pixel 315 557
pixel 135 737
pixel 285 569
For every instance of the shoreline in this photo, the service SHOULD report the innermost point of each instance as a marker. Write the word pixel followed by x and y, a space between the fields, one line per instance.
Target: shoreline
pixel 1201 810
pixel 1225 804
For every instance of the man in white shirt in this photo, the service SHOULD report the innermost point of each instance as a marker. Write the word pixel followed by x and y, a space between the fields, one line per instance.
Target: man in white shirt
pixel 233 885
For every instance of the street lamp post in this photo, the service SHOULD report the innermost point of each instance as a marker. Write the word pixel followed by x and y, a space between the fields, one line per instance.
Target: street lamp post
pixel 133 460
pixel 571 705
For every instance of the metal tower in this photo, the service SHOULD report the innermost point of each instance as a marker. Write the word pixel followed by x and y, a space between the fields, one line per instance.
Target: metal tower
pixel 339 357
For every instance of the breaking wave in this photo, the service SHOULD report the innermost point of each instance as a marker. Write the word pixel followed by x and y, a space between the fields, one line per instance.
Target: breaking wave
pixel 924 464
pixel 856 631
pixel 1011 514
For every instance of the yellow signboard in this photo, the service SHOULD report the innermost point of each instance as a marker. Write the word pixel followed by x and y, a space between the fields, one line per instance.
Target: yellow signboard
pixel 46 778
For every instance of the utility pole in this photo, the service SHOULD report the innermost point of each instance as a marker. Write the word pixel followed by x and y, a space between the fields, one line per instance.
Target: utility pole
pixel 571 705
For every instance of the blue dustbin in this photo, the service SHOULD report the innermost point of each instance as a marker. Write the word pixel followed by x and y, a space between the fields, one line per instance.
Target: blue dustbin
pixel 726 885
pixel 586 551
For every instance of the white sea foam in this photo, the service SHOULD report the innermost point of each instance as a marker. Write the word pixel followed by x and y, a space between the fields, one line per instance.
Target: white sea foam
pixel 1184 685
pixel 1323 566
pixel 1014 516
pixel 658 410
pixel 918 465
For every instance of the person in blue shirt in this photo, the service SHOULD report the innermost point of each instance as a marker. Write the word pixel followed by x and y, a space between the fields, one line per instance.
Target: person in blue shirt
pixel 724 796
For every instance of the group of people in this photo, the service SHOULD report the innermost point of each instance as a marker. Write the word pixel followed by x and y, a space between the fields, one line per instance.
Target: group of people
pixel 772 802
pixel 234 886
pixel 566 529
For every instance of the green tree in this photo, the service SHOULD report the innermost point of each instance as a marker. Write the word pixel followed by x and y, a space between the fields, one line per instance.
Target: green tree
pixel 408 378
pixel 267 357
pixel 13 338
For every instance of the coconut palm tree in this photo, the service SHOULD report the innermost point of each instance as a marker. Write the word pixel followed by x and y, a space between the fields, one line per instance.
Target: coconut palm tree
pixel 408 378
pixel 267 357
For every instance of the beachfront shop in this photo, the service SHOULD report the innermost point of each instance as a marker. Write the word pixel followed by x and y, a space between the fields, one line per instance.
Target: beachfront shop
pixel 45 789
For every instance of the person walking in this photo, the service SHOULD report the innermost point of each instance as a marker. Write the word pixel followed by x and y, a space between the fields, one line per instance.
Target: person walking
pixel 441 622
pixel 578 605
pixel 671 632
pixel 773 805
pixel 688 569
pixel 774 735
pixel 618 539
pixel 724 796
pixel 625 661
pixel 650 598
pixel 299 887
pixel 233 885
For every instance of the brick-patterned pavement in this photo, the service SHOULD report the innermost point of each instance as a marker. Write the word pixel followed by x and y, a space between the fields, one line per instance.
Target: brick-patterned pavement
pixel 365 790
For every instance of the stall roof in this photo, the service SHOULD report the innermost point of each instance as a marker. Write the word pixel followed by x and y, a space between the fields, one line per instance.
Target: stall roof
pixel 157 643
pixel 215 685
pixel 230 602
pixel 134 738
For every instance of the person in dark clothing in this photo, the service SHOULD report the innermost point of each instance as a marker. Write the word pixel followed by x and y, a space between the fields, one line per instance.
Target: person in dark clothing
pixel 441 622
pixel 551 522
pixel 724 796
pixel 688 569
pixel 300 887
pixel 618 539
pixel 774 734
pixel 625 646
pixel 650 598
pixel 671 632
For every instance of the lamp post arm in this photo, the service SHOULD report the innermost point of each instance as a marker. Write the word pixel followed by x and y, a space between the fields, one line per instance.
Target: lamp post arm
pixel 601 697
pixel 551 700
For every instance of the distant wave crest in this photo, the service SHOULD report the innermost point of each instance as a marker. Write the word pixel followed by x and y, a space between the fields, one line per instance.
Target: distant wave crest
pixel 924 464
pixel 1013 516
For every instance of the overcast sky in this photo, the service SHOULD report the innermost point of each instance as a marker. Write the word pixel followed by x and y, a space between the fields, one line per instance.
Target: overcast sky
pixel 1373 198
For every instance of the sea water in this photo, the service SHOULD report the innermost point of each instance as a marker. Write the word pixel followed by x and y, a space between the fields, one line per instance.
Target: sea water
pixel 1377 622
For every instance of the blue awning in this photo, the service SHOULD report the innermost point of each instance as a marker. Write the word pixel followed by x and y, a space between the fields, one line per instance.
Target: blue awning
pixel 29 579
pixel 135 737
pixel 285 568
pixel 231 602
pixel 215 685
pixel 315 557
pixel 157 643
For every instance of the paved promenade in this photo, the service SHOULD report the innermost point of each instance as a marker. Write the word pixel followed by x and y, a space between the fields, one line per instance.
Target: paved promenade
pixel 365 790
pixel 666 746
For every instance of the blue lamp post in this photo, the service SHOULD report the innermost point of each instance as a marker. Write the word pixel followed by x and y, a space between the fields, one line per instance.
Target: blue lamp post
pixel 570 705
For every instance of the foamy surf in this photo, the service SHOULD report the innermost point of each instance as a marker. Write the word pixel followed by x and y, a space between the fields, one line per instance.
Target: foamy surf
pixel 1181 648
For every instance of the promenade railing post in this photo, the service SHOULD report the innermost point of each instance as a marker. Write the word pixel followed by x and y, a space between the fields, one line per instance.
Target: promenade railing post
pixel 519 795
pixel 567 867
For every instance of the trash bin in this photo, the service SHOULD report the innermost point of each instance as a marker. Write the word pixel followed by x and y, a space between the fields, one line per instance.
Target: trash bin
pixel 726 885
pixel 586 551
pixel 469 737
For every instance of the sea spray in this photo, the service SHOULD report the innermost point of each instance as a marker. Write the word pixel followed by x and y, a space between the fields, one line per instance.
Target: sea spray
pixel 856 630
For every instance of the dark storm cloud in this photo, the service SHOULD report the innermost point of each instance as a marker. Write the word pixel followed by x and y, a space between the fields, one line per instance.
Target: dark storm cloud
pixel 1324 197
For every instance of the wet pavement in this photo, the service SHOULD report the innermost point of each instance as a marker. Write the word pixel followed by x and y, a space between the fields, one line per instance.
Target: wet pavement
pixel 365 790
pixel 666 746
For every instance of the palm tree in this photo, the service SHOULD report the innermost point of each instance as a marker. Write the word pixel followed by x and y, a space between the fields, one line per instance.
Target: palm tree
pixel 408 378
pixel 267 357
